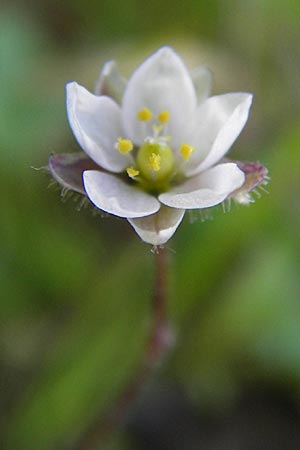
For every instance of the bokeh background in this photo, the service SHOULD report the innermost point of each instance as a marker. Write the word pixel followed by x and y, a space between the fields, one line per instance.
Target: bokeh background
pixel 76 289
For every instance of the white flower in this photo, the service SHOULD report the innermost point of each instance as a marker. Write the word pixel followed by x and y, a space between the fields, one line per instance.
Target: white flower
pixel 157 141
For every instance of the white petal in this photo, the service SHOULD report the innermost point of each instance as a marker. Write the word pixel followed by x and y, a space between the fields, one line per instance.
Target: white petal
pixel 206 189
pixel 110 82
pixel 158 228
pixel 219 121
pixel 162 82
pixel 114 196
pixel 202 79
pixel 96 124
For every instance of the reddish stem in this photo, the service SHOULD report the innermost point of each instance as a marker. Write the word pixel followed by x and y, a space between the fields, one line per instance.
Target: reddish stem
pixel 160 341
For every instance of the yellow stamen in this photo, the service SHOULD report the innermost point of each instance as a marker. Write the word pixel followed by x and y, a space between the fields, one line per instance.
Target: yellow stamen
pixel 144 115
pixel 132 172
pixel 154 161
pixel 163 116
pixel 186 150
pixel 124 145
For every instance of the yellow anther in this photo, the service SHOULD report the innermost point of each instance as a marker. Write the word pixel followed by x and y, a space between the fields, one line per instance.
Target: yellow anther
pixel 186 150
pixel 124 145
pixel 163 116
pixel 132 172
pixel 154 161
pixel 144 115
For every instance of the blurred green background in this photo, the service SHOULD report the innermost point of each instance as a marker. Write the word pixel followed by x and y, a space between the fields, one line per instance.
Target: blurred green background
pixel 76 289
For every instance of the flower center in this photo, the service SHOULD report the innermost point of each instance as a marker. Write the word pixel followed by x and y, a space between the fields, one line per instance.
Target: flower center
pixel 155 161
pixel 153 164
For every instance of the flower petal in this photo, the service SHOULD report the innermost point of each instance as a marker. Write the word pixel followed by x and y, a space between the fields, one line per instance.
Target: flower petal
pixel 219 121
pixel 206 189
pixel 161 83
pixel 67 169
pixel 202 79
pixel 158 228
pixel 113 195
pixel 110 82
pixel 96 124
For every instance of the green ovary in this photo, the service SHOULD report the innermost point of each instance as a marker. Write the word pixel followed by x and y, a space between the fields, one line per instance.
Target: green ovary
pixel 155 162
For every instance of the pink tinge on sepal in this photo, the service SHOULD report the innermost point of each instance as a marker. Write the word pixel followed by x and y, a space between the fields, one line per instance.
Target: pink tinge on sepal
pixel 256 174
pixel 67 169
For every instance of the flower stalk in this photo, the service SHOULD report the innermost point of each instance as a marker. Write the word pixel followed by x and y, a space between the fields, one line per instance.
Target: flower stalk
pixel 161 337
pixel 160 341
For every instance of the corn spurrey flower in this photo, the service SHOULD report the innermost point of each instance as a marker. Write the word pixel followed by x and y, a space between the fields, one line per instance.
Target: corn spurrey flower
pixel 154 146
